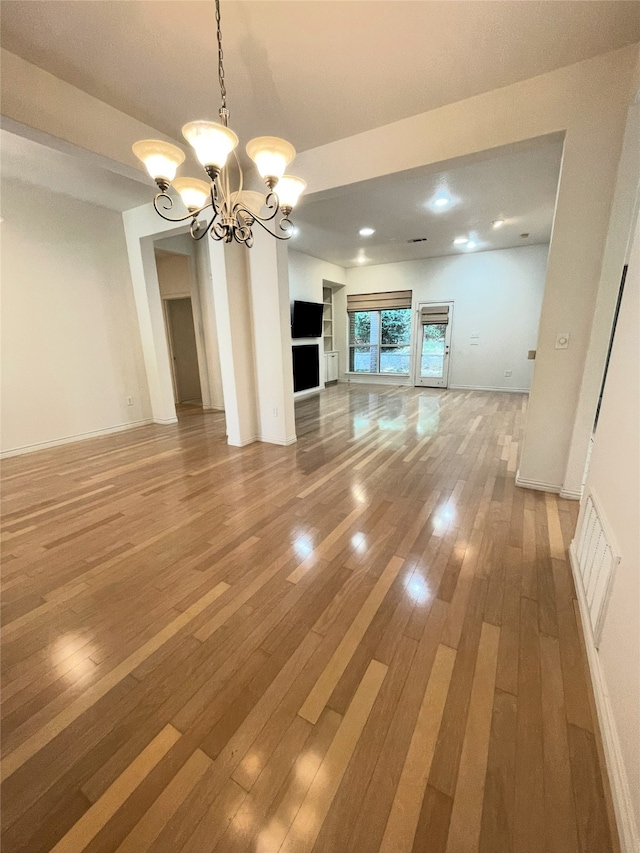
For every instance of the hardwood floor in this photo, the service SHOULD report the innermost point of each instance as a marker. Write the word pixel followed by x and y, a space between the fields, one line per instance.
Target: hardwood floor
pixel 366 641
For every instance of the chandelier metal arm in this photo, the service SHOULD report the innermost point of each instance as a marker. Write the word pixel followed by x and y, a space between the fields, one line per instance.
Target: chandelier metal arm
pixel 285 225
pixel 238 230
pixel 166 197
pixel 197 232
pixel 271 202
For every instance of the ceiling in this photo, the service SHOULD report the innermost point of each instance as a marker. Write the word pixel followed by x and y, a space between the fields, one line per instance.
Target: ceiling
pixel 25 160
pixel 518 185
pixel 315 71
pixel 311 71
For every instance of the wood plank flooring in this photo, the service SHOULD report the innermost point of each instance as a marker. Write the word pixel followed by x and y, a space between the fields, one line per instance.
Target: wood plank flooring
pixel 366 641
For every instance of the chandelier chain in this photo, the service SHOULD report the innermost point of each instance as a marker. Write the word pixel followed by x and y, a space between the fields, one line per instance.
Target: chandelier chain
pixel 223 89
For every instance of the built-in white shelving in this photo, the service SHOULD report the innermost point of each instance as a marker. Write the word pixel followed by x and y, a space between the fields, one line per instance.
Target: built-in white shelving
pixel 327 318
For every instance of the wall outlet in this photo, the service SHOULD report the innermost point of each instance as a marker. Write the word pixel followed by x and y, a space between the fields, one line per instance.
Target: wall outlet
pixel 129 401
pixel 562 340
pixel 507 373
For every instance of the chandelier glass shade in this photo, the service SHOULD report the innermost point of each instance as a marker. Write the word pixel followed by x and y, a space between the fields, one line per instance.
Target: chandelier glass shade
pixel 213 207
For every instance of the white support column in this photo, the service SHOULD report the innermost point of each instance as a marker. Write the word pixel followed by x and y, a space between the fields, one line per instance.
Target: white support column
pixel 204 289
pixel 146 291
pixel 229 279
pixel 269 285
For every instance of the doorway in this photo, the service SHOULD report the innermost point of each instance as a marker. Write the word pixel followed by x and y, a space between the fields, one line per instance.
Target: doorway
pixel 183 350
pixel 433 340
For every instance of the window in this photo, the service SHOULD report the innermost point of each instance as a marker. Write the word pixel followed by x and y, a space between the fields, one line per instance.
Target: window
pixel 380 341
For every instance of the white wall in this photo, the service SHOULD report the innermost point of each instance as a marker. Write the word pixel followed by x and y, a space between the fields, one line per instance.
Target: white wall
pixel 496 294
pixel 306 277
pixel 173 275
pixel 71 352
pixel 614 478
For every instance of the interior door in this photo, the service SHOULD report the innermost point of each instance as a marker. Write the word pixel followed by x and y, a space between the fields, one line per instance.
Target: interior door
pixel 183 350
pixel 433 344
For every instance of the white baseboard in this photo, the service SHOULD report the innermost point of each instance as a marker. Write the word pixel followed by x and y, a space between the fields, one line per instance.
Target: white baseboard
pixel 164 421
pixel 69 439
pixel 620 792
pixel 391 379
pixel 241 442
pixel 571 494
pixel 283 442
pixel 308 392
pixel 212 409
pixel 377 378
pixel 488 388
pixel 538 485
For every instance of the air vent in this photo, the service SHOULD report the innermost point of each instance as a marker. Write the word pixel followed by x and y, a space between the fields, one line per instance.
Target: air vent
pixel 418 240
pixel 597 561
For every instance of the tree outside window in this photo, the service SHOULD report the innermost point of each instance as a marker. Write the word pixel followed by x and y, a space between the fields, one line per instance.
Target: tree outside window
pixel 380 341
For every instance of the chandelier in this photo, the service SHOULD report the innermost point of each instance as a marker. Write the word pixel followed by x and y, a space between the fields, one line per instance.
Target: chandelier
pixel 230 214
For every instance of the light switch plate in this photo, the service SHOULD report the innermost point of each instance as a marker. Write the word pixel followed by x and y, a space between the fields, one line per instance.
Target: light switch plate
pixel 562 340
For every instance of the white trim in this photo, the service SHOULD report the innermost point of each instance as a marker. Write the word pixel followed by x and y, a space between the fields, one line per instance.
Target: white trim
pixel 167 331
pixel 164 421
pixel 242 443
pixel 488 388
pixel 571 494
pixel 284 442
pixel 536 484
pixel 307 392
pixel 212 409
pixel 379 378
pixel 69 439
pixel 616 771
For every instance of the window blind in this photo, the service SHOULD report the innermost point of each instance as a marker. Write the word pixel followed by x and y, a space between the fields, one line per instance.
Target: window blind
pixel 379 301
pixel 434 314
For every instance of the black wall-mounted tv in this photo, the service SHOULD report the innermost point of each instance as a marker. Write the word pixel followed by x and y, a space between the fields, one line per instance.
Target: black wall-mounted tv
pixel 306 319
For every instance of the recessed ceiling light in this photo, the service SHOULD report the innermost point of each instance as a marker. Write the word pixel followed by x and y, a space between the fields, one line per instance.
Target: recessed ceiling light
pixel 497 223
pixel 442 200
pixel 367 232
pixel 361 260
pixel 471 244
pixel 460 241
